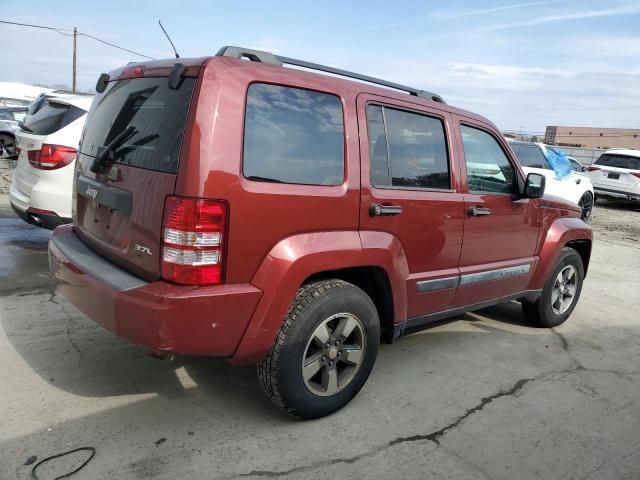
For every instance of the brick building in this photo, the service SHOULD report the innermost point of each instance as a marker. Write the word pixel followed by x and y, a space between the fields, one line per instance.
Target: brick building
pixel 588 137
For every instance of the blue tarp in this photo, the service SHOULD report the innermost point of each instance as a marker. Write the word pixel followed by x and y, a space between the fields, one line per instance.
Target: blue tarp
pixel 559 162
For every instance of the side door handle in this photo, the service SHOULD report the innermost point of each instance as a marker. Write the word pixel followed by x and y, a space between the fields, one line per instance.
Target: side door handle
pixel 478 211
pixel 377 210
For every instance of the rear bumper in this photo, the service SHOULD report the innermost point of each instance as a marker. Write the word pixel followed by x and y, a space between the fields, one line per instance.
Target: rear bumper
pixel 612 193
pixel 160 316
pixel 40 219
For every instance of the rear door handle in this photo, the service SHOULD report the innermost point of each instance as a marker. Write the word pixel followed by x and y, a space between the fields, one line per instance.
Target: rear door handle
pixel 478 211
pixel 376 210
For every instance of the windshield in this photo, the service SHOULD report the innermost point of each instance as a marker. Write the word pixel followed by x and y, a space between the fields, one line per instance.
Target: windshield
pixel 619 161
pixel 157 113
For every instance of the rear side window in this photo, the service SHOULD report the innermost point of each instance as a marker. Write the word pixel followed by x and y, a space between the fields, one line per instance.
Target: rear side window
pixel 407 149
pixel 158 114
pixel 488 168
pixel 532 156
pixel 293 135
pixel 619 161
pixel 52 117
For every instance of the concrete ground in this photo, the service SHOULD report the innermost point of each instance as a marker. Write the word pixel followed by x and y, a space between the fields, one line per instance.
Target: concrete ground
pixel 483 397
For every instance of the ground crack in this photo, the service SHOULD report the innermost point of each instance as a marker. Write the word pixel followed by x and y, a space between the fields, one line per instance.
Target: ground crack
pixel 431 437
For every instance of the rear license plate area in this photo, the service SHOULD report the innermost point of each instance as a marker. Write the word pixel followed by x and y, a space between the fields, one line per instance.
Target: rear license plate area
pixel 613 176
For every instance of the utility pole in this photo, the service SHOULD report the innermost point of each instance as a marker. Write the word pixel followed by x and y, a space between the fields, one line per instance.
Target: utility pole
pixel 75 42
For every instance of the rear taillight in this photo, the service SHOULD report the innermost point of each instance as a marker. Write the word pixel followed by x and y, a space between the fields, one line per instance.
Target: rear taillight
pixel 193 240
pixel 51 157
pixel 635 174
pixel 592 168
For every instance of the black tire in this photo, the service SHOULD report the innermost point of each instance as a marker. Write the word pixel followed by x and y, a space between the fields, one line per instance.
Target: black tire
pixel 586 203
pixel 541 312
pixel 281 372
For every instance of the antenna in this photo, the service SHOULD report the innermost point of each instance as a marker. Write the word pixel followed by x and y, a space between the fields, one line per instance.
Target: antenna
pixel 169 38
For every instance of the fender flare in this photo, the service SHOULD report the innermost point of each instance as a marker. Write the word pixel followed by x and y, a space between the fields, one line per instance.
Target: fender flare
pixel 560 233
pixel 294 259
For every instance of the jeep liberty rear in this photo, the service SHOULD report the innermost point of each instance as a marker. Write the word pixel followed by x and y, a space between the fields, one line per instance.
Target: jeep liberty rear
pixel 292 219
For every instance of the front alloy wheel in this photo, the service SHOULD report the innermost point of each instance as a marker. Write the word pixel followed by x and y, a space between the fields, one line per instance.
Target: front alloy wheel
pixel 586 204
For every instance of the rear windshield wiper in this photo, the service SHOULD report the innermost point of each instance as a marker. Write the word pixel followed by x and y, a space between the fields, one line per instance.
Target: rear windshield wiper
pixel 24 127
pixel 107 156
pixel 264 179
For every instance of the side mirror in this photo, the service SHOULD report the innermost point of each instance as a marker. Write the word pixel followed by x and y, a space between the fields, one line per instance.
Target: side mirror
pixel 534 186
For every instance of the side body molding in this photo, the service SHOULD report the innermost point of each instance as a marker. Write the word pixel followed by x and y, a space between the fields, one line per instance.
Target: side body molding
pixel 562 231
pixel 292 260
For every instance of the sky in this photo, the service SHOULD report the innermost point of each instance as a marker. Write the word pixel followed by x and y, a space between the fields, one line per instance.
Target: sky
pixel 522 64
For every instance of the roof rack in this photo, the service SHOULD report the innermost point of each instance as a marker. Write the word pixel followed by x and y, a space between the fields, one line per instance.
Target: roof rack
pixel 271 59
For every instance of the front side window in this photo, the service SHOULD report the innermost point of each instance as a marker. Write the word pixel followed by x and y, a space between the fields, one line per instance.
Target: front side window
pixel 488 168
pixel 407 149
pixel 293 135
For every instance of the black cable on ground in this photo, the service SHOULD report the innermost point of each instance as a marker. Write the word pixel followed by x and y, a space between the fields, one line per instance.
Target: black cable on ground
pixel 66 475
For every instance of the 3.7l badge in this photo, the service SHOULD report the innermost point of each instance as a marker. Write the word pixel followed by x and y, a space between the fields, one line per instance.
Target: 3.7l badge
pixel 140 248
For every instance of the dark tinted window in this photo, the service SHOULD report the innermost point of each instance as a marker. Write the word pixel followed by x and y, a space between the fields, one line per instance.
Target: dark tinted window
pixel 158 113
pixel 619 161
pixel 293 136
pixel 416 153
pixel 52 117
pixel 532 156
pixel 488 168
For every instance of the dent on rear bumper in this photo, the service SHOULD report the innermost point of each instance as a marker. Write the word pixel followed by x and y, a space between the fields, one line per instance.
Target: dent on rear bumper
pixel 160 316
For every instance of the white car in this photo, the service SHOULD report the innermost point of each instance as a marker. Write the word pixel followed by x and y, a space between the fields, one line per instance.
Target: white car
pixel 47 143
pixel 576 188
pixel 616 174
pixel 9 118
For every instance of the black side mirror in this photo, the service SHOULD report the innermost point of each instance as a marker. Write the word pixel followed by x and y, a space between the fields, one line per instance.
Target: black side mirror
pixel 534 186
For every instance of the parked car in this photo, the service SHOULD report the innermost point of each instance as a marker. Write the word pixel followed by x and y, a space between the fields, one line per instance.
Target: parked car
pixel 292 219
pixel 41 187
pixel 577 167
pixel 575 188
pixel 9 118
pixel 616 174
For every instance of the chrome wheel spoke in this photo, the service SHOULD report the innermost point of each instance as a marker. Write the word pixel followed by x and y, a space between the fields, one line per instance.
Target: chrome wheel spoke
pixel 345 327
pixel 330 380
pixel 570 291
pixel 352 354
pixel 312 366
pixel 554 296
pixel 322 334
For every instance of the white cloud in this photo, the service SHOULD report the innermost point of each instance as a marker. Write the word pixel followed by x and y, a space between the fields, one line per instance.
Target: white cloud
pixel 439 16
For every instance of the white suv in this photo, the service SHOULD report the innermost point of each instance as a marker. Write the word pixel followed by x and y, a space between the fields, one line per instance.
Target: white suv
pixel 576 188
pixel 46 144
pixel 616 174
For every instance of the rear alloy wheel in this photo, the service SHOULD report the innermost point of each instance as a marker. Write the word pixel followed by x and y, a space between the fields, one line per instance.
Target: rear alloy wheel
pixel 586 203
pixel 324 351
pixel 7 146
pixel 560 294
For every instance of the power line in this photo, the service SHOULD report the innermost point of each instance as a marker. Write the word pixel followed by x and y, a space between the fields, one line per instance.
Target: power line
pixel 62 30
pixel 116 46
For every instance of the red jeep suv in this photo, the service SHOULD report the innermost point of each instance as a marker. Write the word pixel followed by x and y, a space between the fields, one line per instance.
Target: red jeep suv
pixel 236 207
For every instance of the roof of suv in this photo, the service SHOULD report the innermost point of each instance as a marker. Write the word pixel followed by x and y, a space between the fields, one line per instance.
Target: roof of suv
pixel 238 56
pixel 624 151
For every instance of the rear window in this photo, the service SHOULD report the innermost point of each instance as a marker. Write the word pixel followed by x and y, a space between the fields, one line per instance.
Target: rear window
pixel 293 136
pixel 52 117
pixel 158 113
pixel 619 161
